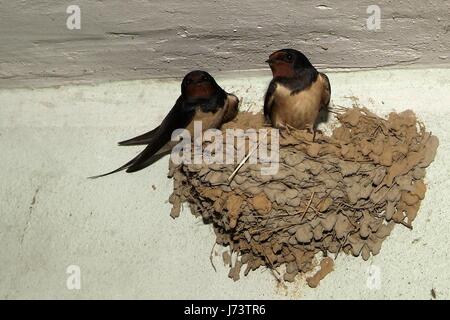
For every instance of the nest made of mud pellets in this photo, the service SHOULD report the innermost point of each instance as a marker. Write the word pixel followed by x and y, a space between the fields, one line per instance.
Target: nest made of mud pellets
pixel 331 194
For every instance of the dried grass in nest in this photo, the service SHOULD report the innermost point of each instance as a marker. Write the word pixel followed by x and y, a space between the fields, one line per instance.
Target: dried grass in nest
pixel 338 193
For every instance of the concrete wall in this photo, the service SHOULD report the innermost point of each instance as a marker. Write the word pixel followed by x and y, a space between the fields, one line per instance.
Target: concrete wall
pixel 139 39
pixel 118 229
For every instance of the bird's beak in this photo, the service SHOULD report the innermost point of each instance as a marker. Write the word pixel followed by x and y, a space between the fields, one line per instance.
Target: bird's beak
pixel 269 61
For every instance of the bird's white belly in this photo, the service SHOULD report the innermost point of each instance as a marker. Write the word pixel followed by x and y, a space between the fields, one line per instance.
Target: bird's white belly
pixel 299 110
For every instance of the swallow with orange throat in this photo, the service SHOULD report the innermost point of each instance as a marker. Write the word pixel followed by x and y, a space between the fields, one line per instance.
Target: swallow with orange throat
pixel 296 93
pixel 201 99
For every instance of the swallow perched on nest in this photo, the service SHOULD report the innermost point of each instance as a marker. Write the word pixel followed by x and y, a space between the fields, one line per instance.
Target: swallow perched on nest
pixel 202 99
pixel 297 91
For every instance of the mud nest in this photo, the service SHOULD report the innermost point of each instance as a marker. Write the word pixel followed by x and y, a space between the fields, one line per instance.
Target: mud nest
pixel 342 193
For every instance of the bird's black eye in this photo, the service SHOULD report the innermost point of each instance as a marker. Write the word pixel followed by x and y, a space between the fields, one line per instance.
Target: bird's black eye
pixel 289 57
pixel 204 78
pixel 188 81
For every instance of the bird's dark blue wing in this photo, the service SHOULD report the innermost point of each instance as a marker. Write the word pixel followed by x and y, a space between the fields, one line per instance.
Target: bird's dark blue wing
pixel 179 117
pixel 267 99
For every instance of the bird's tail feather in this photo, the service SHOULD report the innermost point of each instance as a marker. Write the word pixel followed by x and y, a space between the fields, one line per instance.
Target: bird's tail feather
pixel 145 138
pixel 125 166
pixel 139 162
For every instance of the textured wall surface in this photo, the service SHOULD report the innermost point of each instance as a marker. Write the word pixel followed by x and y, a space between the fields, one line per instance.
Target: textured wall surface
pixel 140 39
pixel 118 229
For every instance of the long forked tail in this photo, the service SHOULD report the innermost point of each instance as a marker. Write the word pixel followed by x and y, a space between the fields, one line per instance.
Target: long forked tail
pixel 148 156
pixel 125 166
pixel 145 138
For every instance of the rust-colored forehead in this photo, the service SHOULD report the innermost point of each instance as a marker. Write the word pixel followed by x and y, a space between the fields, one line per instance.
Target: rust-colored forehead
pixel 277 55
pixel 195 76
pixel 200 90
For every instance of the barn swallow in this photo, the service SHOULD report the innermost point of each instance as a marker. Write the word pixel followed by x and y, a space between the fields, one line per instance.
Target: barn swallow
pixel 201 99
pixel 297 91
